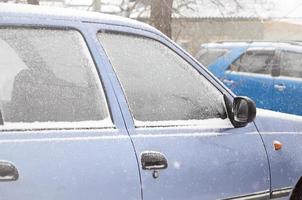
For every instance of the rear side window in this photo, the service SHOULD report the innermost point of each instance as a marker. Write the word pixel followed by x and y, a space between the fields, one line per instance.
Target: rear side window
pixel 291 64
pixel 159 85
pixel 257 61
pixel 207 56
pixel 48 76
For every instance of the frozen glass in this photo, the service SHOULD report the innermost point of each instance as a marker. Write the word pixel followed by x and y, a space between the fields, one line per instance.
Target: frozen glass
pixel 47 76
pixel 159 85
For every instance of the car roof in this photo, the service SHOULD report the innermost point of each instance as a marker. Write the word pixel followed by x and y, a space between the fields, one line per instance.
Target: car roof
pixel 56 13
pixel 290 45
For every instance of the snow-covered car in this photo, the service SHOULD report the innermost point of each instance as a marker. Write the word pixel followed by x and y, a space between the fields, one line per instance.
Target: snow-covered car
pixel 101 107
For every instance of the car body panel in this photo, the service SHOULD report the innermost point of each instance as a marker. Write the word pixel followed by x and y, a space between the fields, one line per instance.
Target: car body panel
pixel 285 164
pixel 211 163
pixel 70 165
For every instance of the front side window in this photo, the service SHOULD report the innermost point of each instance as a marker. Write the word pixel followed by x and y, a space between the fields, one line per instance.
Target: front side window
pixel 255 61
pixel 48 76
pixel 159 85
pixel 291 64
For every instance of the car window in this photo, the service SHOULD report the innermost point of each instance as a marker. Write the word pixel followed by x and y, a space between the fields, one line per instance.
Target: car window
pixel 159 85
pixel 291 64
pixel 48 76
pixel 258 62
pixel 207 56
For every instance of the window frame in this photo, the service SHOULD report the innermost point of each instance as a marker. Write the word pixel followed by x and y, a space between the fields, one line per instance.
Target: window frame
pixel 133 123
pixel 107 123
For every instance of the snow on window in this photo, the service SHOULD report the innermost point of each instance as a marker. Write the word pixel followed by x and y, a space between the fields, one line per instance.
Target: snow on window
pixel 48 76
pixel 159 85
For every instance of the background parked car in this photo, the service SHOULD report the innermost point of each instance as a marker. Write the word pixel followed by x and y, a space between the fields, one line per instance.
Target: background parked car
pixel 268 72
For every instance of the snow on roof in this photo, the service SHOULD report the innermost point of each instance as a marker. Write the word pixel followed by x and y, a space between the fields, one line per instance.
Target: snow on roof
pixel 21 10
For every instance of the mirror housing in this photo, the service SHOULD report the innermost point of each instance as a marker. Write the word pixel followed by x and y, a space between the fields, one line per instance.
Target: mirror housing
pixel 240 110
pixel 244 111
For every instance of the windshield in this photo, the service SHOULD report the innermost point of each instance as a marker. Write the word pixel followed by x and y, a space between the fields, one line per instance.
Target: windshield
pixel 207 56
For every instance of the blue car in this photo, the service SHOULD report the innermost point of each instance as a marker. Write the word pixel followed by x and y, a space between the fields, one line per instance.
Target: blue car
pixel 268 72
pixel 96 107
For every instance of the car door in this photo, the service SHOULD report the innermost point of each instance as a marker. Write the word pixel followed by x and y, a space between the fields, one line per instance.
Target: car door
pixel 288 86
pixel 58 139
pixel 177 121
pixel 250 75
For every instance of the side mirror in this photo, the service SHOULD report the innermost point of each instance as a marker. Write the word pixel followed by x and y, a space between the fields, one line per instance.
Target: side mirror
pixel 244 111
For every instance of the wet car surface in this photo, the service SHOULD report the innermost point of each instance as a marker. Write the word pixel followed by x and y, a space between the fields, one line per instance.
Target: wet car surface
pixel 100 107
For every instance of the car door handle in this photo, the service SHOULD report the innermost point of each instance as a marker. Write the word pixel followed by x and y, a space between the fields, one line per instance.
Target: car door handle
pixel 152 160
pixel 8 172
pixel 279 87
pixel 227 81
